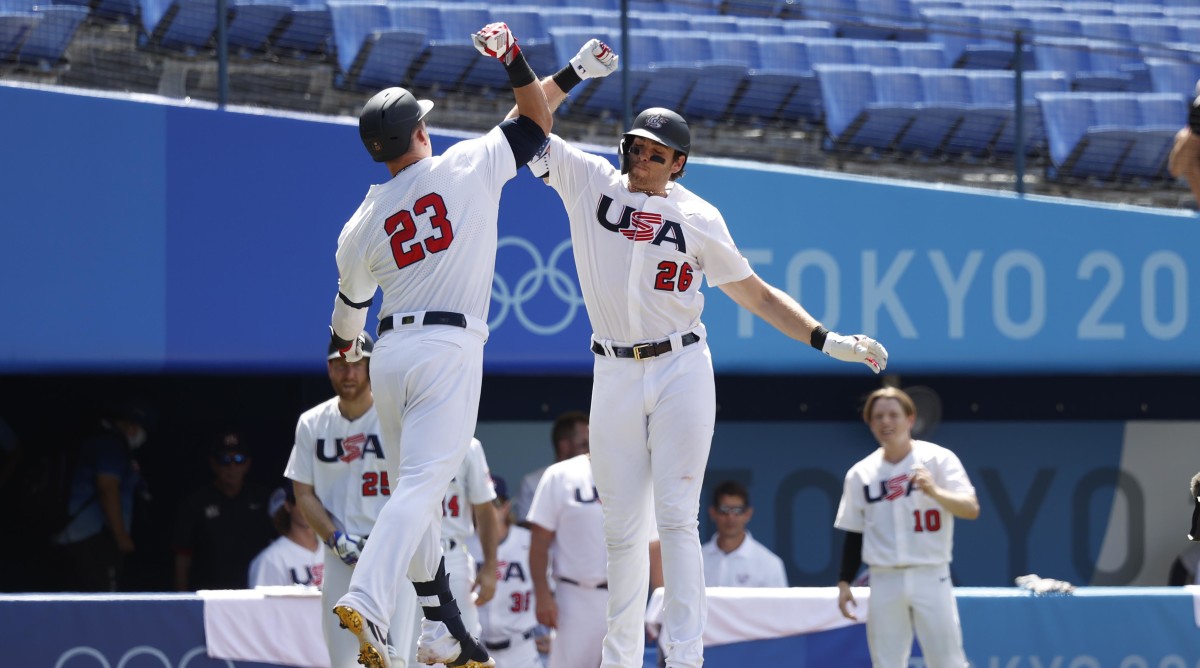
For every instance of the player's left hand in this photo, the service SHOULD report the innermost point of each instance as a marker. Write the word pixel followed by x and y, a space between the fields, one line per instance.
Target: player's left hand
pixel 856 348
pixel 495 40
pixel 354 352
pixel 845 601
pixel 923 479
pixel 594 60
pixel 485 585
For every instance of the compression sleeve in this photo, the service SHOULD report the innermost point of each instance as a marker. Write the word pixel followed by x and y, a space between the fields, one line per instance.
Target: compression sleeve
pixel 851 556
pixel 525 137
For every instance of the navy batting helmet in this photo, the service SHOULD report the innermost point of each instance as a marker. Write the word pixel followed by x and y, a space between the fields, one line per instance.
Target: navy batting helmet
pixel 661 125
pixel 387 121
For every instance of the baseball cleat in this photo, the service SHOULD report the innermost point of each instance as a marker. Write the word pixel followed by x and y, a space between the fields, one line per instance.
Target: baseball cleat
pixel 372 641
pixel 436 645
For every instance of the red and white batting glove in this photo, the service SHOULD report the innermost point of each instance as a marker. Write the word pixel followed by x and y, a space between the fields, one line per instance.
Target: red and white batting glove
pixel 353 352
pixel 594 60
pixel 856 348
pixel 497 41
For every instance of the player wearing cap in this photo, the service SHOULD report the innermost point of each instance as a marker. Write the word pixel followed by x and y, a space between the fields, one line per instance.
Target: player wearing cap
pixel 898 508
pixel 643 244
pixel 427 239
pixel 339 467
pixel 508 620
pixel 297 556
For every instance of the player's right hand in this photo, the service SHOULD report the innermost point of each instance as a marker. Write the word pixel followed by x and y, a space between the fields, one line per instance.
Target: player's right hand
pixel 495 40
pixel 348 547
pixel 846 599
pixel 546 609
pixel 594 60
pixel 856 348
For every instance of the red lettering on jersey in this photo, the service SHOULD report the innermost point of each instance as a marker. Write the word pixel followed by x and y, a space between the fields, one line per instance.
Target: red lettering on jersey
pixel 896 486
pixel 353 447
pixel 644 226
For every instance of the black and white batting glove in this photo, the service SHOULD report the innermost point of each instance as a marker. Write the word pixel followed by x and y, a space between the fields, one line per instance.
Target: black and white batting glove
pixel 495 40
pixel 594 60
pixel 540 164
pixel 347 547
pixel 352 352
pixel 856 348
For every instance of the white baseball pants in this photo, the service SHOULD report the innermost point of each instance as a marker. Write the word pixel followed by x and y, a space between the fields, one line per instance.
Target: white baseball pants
pixel 920 597
pixel 343 647
pixel 580 632
pixel 460 566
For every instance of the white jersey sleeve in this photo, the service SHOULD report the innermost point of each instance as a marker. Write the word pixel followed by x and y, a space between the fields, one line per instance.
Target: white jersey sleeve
pixel 471 486
pixel 347 464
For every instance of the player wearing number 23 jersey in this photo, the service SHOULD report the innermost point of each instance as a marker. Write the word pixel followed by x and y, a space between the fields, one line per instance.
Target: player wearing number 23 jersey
pixel 898 508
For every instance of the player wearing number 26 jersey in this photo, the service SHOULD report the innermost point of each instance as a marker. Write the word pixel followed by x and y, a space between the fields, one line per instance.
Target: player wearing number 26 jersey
pixel 643 245
pixel 898 508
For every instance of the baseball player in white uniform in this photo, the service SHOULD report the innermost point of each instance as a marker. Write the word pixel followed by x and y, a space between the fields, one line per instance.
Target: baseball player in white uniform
pixel 898 508
pixel 297 556
pixel 426 238
pixel 509 619
pixel 643 244
pixel 341 470
pixel 467 511
pixel 732 558
pixel 567 523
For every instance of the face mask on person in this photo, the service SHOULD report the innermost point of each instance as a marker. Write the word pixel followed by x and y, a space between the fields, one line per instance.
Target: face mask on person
pixel 138 439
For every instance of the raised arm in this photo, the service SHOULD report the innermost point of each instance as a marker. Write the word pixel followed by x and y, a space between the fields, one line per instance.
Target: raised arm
pixel 594 60
pixel 495 40
pixel 788 316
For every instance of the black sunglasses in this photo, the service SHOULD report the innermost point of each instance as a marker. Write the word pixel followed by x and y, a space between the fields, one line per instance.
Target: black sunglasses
pixel 233 459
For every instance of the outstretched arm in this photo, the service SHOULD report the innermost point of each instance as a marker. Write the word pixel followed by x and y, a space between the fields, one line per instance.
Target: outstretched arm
pixel 495 40
pixel 595 59
pixel 788 316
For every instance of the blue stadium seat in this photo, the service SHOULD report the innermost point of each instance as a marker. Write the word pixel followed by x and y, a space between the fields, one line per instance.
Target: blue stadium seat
pixel 565 17
pixel 831 51
pixel 1084 64
pixel 996 49
pixel 757 25
pixel 455 50
pixel 1091 8
pixel 1067 117
pixel 1173 76
pixel 533 34
pixel 954 29
pixel 891 19
pixel 14 26
pixel 1161 117
pixel 390 54
pixel 252 22
pixel 841 13
pixel 353 23
pixel 661 22
pixel 179 25
pixel 899 96
pixel 1111 135
pixel 715 24
pixel 47 39
pixel 784 84
pixel 604 5
pixel 809 28
pixel 769 8
pixel 846 92
pixel 1154 31
pixel 1134 12
pixel 992 108
pixel 922 54
pixel 674 70
pixel 724 75
pixel 945 101
pixel 877 53
pixel 310 30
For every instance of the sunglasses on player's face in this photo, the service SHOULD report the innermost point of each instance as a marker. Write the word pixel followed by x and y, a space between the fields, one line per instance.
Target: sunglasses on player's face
pixel 226 460
pixel 736 511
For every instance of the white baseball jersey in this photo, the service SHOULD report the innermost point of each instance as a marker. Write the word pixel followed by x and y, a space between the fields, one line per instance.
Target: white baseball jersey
pixel 346 463
pixel 901 525
pixel 471 486
pixel 566 503
pixel 285 562
pixel 640 259
pixel 751 564
pixel 511 613
pixel 397 237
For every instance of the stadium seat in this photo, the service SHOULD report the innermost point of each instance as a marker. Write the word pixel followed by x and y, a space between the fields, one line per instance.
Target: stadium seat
pixel 899 96
pixel 840 13
pixel 954 29
pixel 945 102
pixel 661 22
pixel 14 26
pixel 922 54
pixel 310 30
pixel 353 23
pixel 1084 64
pixel 809 28
pixel 754 25
pixel 565 17
pixel 877 53
pixel 831 51
pixel 179 25
pixel 47 39
pixel 1173 76
pixel 1154 31
pixel 724 76
pixel 388 55
pixel 846 90
pixel 997 46
pixel 530 26
pixel 784 84
pixel 675 68
pixel 714 24
pixel 252 22
pixel 1111 135
pixel 890 19
pixel 1161 116
pixel 455 50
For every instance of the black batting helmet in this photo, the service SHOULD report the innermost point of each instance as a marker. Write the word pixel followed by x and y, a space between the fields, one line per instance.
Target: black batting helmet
pixel 661 125
pixel 387 122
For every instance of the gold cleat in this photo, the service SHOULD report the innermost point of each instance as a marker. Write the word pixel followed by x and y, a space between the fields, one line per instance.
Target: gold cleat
pixel 368 653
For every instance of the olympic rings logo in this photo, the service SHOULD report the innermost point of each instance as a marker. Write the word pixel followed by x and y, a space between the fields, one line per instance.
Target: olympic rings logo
pixel 547 273
pixel 132 653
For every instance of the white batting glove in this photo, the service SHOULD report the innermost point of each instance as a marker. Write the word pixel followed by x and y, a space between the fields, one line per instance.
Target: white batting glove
pixel 856 348
pixel 495 40
pixel 353 352
pixel 347 547
pixel 594 60
pixel 540 164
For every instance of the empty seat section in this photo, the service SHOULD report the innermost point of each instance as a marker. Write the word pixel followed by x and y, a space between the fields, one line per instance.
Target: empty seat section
pixel 945 101
pixel 922 54
pixel 353 23
pixel 252 22
pixel 899 95
pixel 877 53
pixel 682 57
pixel 530 27
pixel 309 29
pixel 724 76
pixel 846 92
pixel 784 85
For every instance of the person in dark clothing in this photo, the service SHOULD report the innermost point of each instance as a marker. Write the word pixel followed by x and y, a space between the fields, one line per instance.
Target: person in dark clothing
pixel 223 525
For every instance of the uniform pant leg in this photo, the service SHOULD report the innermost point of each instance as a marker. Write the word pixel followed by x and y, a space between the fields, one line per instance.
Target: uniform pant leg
pixel 935 616
pixel 461 569
pixel 681 430
pixel 521 654
pixel 426 385
pixel 889 619
pixel 621 466
pixel 335 582
pixel 581 627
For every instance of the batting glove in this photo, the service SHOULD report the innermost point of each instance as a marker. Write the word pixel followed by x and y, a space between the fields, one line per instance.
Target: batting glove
pixel 594 60
pixel 353 352
pixel 347 547
pixel 496 41
pixel 856 348
pixel 540 164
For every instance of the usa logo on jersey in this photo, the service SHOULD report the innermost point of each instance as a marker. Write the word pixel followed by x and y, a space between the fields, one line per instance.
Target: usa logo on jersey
pixel 890 489
pixel 643 226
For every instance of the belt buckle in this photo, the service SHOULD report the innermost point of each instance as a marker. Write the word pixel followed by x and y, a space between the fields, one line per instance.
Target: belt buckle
pixel 643 351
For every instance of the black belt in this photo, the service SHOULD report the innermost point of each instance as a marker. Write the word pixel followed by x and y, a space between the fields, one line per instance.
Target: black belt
pixel 602 585
pixel 505 644
pixel 644 351
pixel 431 318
